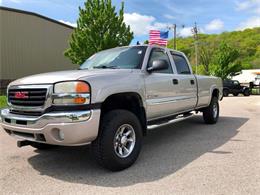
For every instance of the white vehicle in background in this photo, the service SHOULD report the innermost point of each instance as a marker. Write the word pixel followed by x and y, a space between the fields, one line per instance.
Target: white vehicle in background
pixel 246 76
pixel 257 80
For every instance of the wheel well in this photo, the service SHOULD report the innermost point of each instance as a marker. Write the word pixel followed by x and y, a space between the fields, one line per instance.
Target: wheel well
pixel 215 93
pixel 126 101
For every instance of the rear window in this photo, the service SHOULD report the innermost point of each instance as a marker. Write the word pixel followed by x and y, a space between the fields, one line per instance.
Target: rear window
pixel 181 64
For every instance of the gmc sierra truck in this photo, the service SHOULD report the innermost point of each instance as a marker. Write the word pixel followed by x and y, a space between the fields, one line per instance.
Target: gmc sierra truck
pixel 111 102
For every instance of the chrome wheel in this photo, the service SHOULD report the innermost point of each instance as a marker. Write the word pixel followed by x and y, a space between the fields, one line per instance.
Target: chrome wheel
pixel 215 110
pixel 124 141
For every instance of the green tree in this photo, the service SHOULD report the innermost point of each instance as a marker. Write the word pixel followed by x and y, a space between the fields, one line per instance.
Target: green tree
pixel 99 27
pixel 247 42
pixel 205 58
pixel 256 60
pixel 146 42
pixel 226 61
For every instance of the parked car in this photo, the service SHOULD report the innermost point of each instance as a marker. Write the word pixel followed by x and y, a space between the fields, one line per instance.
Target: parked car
pixel 111 102
pixel 235 88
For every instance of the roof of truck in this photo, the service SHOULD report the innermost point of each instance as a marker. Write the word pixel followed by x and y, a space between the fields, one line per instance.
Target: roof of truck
pixel 156 46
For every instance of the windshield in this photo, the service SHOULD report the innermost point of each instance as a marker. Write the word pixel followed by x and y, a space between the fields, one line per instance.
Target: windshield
pixel 117 58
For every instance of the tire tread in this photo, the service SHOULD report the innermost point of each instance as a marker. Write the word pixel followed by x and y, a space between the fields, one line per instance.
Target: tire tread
pixel 99 146
pixel 207 113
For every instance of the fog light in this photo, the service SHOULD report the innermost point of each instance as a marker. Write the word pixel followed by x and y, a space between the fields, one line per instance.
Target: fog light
pixel 61 135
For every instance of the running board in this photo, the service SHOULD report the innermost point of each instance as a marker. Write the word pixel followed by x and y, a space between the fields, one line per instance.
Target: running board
pixel 171 121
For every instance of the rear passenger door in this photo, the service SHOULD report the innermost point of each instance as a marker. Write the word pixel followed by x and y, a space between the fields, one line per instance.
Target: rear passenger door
pixel 187 84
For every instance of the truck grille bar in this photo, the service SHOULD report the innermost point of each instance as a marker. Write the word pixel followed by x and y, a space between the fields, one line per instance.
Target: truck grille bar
pixel 27 97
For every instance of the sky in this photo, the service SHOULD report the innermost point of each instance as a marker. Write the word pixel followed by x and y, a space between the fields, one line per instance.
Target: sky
pixel 212 16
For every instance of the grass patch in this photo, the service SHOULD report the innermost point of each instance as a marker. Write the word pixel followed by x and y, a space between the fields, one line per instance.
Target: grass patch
pixel 3 101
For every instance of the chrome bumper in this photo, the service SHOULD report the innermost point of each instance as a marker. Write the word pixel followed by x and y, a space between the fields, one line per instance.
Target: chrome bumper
pixel 58 128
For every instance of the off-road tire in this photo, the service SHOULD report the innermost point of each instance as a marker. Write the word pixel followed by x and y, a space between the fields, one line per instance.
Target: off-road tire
pixel 246 92
pixel 225 93
pixel 235 94
pixel 103 146
pixel 209 115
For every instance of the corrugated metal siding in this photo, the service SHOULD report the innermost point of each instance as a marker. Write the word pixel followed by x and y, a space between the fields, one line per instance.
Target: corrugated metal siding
pixel 31 45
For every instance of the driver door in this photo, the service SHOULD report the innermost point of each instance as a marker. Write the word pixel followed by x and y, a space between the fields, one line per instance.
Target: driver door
pixel 159 87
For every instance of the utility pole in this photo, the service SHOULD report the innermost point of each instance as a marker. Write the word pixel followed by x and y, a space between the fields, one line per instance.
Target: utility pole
pixel 195 32
pixel 174 28
pixel 175 36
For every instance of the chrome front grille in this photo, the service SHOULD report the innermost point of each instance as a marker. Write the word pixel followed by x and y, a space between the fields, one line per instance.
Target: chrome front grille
pixel 28 113
pixel 27 97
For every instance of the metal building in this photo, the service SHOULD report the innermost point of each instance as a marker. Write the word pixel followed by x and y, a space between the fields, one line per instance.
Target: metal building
pixel 31 44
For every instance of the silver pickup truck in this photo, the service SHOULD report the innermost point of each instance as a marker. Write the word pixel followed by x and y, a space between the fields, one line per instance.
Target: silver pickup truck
pixel 115 97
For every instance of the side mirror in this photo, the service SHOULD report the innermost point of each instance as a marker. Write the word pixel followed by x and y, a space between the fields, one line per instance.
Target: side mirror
pixel 158 65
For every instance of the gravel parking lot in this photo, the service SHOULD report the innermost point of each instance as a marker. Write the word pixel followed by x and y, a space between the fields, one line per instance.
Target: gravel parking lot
pixel 188 157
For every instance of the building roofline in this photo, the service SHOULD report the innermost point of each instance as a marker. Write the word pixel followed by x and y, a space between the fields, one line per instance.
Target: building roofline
pixel 35 14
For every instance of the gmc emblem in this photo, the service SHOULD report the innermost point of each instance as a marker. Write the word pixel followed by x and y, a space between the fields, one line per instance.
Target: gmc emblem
pixel 21 95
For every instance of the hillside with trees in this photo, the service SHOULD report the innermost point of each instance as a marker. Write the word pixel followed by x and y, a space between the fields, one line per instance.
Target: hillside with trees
pixel 224 53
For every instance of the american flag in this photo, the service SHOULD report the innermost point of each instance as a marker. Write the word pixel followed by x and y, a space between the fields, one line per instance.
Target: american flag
pixel 158 37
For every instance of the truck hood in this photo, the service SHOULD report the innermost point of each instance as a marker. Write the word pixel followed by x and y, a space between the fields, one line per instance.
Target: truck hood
pixel 53 77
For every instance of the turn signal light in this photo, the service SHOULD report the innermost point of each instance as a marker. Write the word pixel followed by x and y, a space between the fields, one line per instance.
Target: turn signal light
pixel 79 100
pixel 82 87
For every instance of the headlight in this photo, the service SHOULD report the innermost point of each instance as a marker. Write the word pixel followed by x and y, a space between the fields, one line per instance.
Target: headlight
pixel 71 93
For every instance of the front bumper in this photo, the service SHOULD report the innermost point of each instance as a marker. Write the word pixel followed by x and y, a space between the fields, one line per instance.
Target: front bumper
pixel 57 128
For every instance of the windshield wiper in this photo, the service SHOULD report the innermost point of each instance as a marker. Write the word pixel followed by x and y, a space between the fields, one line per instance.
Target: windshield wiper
pixel 105 67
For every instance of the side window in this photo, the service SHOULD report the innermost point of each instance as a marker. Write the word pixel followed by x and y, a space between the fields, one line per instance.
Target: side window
pixel 158 54
pixel 181 64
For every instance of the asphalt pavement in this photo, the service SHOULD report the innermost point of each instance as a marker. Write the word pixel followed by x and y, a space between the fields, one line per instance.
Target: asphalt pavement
pixel 188 157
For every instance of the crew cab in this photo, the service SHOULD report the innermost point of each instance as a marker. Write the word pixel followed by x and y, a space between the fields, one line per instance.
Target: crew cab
pixel 111 102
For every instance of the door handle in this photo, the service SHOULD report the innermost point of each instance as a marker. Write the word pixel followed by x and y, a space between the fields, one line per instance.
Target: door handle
pixel 192 82
pixel 175 81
